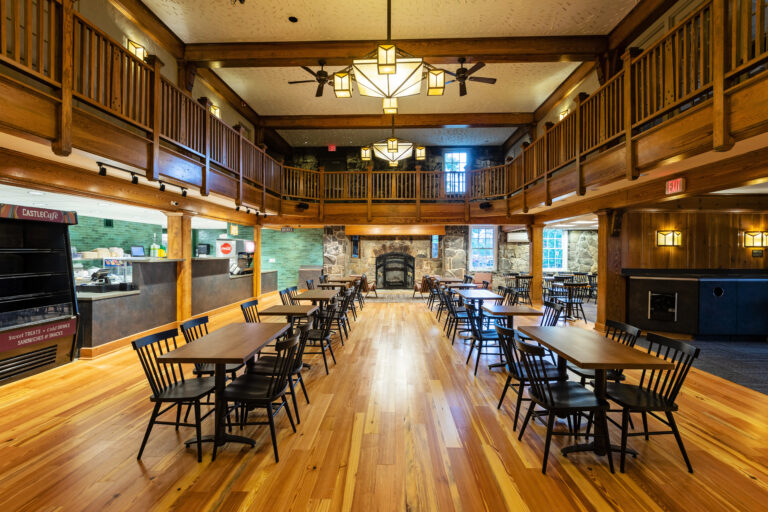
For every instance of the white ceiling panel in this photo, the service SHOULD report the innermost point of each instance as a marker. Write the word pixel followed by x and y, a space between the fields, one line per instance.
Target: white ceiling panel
pixel 204 21
pixel 423 136
pixel 520 88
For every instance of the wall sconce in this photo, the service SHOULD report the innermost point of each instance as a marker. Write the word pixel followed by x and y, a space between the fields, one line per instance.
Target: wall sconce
pixel 564 113
pixel 216 111
pixel 668 238
pixel 136 49
pixel 756 239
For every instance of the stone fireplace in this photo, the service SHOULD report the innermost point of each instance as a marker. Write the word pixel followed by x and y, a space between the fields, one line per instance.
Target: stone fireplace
pixel 394 270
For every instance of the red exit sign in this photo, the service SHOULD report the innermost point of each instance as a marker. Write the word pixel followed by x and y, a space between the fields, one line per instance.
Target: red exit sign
pixel 675 186
pixel 332 147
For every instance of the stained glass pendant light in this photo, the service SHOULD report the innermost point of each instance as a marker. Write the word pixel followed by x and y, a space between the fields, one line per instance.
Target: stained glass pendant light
pixel 392 149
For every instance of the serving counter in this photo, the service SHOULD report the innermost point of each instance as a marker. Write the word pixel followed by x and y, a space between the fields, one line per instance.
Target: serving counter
pixel 214 287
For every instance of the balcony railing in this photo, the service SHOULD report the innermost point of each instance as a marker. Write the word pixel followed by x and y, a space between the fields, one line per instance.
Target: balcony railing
pixel 683 69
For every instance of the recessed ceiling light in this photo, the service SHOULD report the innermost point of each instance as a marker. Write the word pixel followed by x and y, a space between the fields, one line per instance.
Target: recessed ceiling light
pixel 35 193
pixel 293 19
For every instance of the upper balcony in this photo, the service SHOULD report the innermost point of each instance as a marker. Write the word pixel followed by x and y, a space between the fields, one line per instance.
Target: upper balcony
pixel 700 88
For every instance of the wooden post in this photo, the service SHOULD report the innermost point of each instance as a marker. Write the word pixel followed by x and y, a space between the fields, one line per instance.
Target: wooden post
pixel 156 107
pixel 62 145
pixel 547 194
pixel 467 182
pixel 611 286
pixel 262 157
pixel 370 187
pixel 525 178
pixel 581 187
pixel 257 261
pixel 205 186
pixel 281 184
pixel 321 206
pixel 629 102
pixel 186 74
pixel 418 191
pixel 536 258
pixel 721 138
pixel 240 131
pixel 180 247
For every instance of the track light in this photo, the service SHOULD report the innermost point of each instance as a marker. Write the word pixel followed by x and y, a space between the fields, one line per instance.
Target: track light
pixel 247 210
pixel 183 192
pixel 162 187
pixel 237 208
pixel 102 170
pixel 134 179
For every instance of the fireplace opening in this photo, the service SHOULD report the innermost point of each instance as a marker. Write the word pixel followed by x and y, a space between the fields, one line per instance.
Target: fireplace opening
pixel 394 270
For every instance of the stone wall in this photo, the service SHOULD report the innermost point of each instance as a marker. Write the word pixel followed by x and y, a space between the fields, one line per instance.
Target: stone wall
pixel 455 256
pixel 513 257
pixel 582 251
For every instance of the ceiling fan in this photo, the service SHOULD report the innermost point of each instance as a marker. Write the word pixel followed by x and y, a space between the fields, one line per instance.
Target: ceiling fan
pixel 462 74
pixel 321 77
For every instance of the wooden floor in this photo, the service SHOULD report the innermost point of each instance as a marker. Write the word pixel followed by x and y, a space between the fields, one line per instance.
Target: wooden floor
pixel 399 424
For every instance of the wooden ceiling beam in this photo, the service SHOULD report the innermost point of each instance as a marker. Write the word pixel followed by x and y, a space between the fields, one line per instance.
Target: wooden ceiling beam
pixel 151 25
pixel 434 51
pixel 564 89
pixel 319 122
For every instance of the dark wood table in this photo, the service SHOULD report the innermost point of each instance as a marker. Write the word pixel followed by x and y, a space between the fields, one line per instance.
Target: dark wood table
pixel 235 343
pixel 591 350
pixel 317 296
pixel 332 285
pixel 448 279
pixel 342 279
pixel 290 312
pixel 510 312
pixel 479 295
pixel 461 286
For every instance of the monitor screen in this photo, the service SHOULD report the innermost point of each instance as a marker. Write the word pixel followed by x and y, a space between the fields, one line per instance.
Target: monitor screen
pixel 137 251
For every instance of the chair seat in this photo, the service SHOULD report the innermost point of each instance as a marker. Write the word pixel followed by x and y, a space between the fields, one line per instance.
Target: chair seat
pixel 634 397
pixel 266 365
pixel 210 368
pixel 316 335
pixel 550 371
pixel 590 374
pixel 570 395
pixel 250 387
pixel 190 389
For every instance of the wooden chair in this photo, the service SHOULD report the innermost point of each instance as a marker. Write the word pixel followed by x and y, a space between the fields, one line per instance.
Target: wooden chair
pixel 420 287
pixel 456 319
pixel 575 296
pixel 285 297
pixel 482 339
pixel 321 335
pixel 255 391
pixel 523 290
pixel 169 386
pixel 250 311
pixel 310 284
pixel 656 392
pixel 618 332
pixel 592 280
pixel 468 279
pixel 516 369
pixel 195 329
pixel 560 398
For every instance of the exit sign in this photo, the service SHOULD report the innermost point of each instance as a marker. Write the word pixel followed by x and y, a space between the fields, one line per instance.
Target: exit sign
pixel 675 186
pixel 286 229
pixel 332 148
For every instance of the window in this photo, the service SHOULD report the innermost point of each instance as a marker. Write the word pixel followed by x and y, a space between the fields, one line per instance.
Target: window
pixel 355 246
pixel 435 248
pixel 482 248
pixel 455 172
pixel 555 249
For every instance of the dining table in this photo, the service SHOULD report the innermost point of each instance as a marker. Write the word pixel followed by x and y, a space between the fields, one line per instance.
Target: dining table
pixel 331 286
pixel 317 296
pixel 589 349
pixel 510 312
pixel 235 343
pixel 290 312
pixel 348 279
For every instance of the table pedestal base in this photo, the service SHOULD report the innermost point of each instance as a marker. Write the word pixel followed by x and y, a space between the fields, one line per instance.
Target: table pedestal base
pixel 228 438
pixel 590 447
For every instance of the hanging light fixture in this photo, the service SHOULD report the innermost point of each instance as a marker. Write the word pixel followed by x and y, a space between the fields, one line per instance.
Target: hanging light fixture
pixel 365 153
pixel 386 59
pixel 389 105
pixel 392 143
pixel 421 153
pixel 435 82
pixel 391 149
pixel 342 85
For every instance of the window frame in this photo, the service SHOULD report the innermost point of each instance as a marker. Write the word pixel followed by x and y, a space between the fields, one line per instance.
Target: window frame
pixel 494 249
pixel 564 248
pixel 434 247
pixel 355 246
pixel 461 187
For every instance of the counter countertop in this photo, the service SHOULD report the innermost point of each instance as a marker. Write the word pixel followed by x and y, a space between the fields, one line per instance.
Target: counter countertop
pixel 210 258
pixel 666 273
pixel 90 296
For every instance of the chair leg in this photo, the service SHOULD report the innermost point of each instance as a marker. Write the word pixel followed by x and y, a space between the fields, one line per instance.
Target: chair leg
pixel 178 415
pixel 479 352
pixel 330 349
pixel 675 431
pixel 303 388
pixel 288 412
pixel 471 348
pixel 149 429
pixel 293 397
pixel 550 425
pixel 519 403
pixel 271 418
pixel 198 433
pixel 645 425
pixel 526 420
pixel 504 391
pixel 325 360
pixel 624 432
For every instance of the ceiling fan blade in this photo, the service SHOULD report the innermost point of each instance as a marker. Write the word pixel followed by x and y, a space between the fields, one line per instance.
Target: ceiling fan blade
pixel 305 68
pixel 462 89
pixel 483 79
pixel 476 67
pixel 319 89
pixel 449 72
pixel 302 81
pixel 449 82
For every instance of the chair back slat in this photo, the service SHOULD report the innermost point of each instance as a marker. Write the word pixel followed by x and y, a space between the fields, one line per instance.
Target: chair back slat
pixel 285 363
pixel 250 311
pixel 507 342
pixel 159 375
pixel 667 383
pixel 532 357
pixel 310 284
pixel 552 313
pixel 193 330
pixel 285 297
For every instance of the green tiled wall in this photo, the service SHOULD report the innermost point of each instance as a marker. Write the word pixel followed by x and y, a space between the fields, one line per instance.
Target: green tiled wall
pixel 290 251
pixel 206 236
pixel 90 233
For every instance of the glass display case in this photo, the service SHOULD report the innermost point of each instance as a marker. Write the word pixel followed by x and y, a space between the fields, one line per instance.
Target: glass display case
pixel 104 275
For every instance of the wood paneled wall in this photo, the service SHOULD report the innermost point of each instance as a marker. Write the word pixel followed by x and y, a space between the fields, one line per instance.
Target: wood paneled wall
pixel 709 240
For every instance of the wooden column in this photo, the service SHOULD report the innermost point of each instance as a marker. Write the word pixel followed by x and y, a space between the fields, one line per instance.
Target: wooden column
pixel 523 157
pixel 611 285
pixel 321 206
pixel 547 194
pixel 370 190
pixel 418 192
pixel 62 145
pixel 536 258
pixel 581 187
pixel 180 247
pixel 205 186
pixel 156 102
pixel 629 103
pixel 240 129
pixel 257 261
pixel 721 138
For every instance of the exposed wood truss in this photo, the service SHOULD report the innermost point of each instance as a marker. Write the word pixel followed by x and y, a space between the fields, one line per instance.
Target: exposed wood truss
pixel 403 120
pixel 436 51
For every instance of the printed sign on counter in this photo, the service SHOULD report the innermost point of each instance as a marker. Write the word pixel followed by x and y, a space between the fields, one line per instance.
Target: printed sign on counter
pixel 36 334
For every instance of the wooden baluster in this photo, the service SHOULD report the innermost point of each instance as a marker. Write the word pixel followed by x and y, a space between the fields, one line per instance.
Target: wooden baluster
pixel 547 192
pixel 721 138
pixel 156 105
pixel 240 162
pixel 523 164
pixel 581 187
pixel 629 99
pixel 62 145
pixel 28 34
pixel 370 171
pixel 3 27
pixel 40 38
pixel 206 103
pixel 16 19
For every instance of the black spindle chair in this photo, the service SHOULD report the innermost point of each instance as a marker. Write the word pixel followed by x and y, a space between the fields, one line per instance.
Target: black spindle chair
pixel 192 331
pixel 310 284
pixel 255 391
pixel 285 297
pixel 656 392
pixel 616 331
pixel 169 385
pixel 320 337
pixel 523 290
pixel 250 311
pixel 561 398
pixel 486 341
